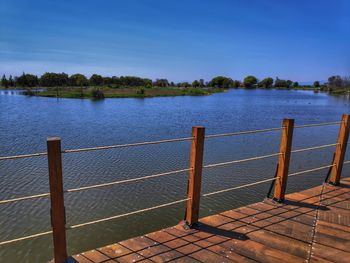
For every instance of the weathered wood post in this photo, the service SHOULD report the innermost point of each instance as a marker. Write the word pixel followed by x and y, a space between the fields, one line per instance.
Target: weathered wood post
pixel 284 159
pixel 57 200
pixel 340 150
pixel 194 181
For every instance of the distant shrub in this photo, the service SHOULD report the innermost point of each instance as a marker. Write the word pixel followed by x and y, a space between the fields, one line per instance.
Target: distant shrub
pixel 196 92
pixel 140 91
pixel 148 86
pixel 96 93
pixel 29 92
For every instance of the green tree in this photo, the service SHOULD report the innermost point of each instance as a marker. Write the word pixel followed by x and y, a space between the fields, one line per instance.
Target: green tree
pixel 185 84
pixel 317 84
pixel 221 82
pixel 50 79
pixel 11 81
pixel 250 81
pixel 4 82
pixel 195 84
pixel 236 84
pixel 107 81
pixel 96 80
pixel 335 82
pixel 78 80
pixel 266 83
pixel 27 80
pixel 161 83
pixel 280 83
pixel 296 84
pixel 201 83
pixel 97 94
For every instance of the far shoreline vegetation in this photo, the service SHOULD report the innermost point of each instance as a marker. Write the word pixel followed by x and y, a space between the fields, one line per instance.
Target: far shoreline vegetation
pixel 61 85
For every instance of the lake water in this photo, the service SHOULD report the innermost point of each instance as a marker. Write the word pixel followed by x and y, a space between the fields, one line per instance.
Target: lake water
pixel 26 122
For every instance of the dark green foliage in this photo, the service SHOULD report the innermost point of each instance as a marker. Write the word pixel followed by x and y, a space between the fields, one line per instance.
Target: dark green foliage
pixel 27 80
pixel 280 83
pixel 161 83
pixel 184 84
pixel 4 82
pixel 296 84
pixel 266 83
pixel 250 82
pixel 195 92
pixel 195 84
pixel 131 81
pixel 96 80
pixel 335 82
pixel 236 84
pixel 11 82
pixel 317 84
pixel 51 79
pixel 78 80
pixel 96 93
pixel 141 91
pixel 221 82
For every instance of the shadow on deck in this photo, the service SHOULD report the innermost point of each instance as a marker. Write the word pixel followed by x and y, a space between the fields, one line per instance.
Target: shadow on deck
pixel 312 226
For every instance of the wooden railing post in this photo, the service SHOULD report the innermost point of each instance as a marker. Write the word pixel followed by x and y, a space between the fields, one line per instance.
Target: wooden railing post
pixel 340 150
pixel 194 181
pixel 57 200
pixel 284 159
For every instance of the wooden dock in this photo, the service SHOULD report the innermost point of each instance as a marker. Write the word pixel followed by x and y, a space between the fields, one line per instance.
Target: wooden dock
pixel 311 226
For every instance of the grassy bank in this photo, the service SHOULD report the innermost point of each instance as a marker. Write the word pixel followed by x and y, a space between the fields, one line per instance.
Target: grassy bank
pixel 340 92
pixel 137 92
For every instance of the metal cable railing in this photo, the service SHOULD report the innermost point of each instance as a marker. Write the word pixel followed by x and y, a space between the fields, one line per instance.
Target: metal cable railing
pixel 241 160
pixel 25 238
pixel 317 124
pixel 21 156
pixel 94 186
pixel 127 214
pixel 13 157
pixel 12 200
pixel 164 174
pixel 314 148
pixel 165 205
pixel 126 145
pixel 242 133
pixel 161 174
pixel 239 187
pixel 95 221
pixel 126 181
pixel 311 170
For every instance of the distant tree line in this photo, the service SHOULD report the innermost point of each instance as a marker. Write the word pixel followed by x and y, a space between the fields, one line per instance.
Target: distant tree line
pixel 337 82
pixel 51 79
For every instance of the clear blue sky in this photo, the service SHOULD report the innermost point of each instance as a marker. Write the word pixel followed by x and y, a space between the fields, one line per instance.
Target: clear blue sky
pixel 302 40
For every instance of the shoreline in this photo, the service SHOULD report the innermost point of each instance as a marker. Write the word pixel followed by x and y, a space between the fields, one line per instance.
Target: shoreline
pixel 141 92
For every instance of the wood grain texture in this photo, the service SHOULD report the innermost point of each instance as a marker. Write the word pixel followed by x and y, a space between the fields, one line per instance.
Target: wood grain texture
pixel 267 231
pixel 57 199
pixel 195 177
pixel 340 150
pixel 284 159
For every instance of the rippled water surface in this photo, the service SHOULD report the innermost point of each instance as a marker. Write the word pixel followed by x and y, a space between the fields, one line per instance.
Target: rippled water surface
pixel 26 122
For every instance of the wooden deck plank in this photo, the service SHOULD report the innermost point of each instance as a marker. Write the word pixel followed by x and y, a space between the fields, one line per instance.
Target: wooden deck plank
pixel 330 254
pixel 301 230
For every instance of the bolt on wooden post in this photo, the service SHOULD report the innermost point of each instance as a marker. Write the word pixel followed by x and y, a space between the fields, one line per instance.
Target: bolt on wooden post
pixel 57 200
pixel 340 150
pixel 195 177
pixel 284 159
